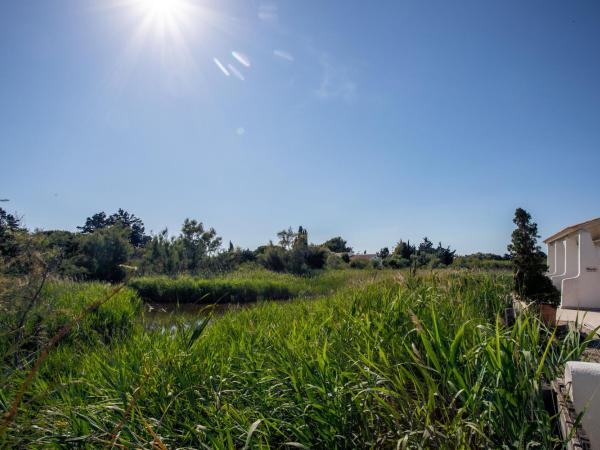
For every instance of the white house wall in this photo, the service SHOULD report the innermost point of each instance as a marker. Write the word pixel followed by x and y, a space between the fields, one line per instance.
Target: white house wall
pixel 582 289
pixel 551 259
pixel 561 265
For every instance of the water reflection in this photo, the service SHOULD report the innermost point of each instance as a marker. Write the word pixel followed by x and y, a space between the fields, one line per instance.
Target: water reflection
pixel 168 315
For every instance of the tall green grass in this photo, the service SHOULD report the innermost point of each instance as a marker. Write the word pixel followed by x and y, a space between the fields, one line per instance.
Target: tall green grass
pixel 406 363
pixel 242 286
pixel 61 301
pixel 67 299
pixel 194 290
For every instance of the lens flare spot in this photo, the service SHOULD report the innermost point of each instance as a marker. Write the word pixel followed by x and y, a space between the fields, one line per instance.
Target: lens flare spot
pixel 283 55
pixel 241 58
pixel 221 66
pixel 236 72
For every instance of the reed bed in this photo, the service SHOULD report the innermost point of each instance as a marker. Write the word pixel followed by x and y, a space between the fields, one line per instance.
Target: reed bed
pixel 406 362
pixel 243 286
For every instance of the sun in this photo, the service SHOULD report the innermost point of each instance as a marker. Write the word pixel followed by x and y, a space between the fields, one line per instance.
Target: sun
pixel 163 12
pixel 169 34
pixel 165 25
pixel 161 8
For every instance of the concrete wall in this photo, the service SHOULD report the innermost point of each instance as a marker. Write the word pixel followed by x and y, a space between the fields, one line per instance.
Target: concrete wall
pixel 583 381
pixel 581 289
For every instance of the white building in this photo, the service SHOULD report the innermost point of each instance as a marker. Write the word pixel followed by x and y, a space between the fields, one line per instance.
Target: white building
pixel 574 264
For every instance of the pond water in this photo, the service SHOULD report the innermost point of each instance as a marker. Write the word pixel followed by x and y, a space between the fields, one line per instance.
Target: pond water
pixel 169 314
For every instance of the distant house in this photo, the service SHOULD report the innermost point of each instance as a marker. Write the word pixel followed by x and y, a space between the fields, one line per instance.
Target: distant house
pixel 574 264
pixel 363 257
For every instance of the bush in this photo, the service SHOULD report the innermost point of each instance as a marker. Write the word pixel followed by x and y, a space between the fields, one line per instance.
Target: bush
pixel 359 263
pixel 482 261
pixel 103 253
pixel 334 261
pixel 274 258
pixel 377 263
pixel 316 257
pixel 397 262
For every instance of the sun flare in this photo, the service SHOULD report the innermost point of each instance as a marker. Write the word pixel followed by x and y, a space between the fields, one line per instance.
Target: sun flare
pixel 163 12
pixel 160 7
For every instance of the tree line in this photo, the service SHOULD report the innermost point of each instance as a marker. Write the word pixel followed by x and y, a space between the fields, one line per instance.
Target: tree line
pixel 404 254
pixel 105 243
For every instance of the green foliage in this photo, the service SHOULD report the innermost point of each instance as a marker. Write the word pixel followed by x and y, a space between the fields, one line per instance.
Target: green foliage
pixel 245 285
pixel 377 263
pixel 337 245
pixel 194 251
pixel 316 257
pixel 359 263
pixel 404 250
pixel 9 226
pixel 483 261
pixel 423 255
pixel 12 237
pixel 334 261
pixel 396 262
pixel 66 299
pixel 301 240
pixel 529 262
pixel 383 253
pixel 133 225
pixel 163 255
pixel 104 252
pixel 197 243
pixel 426 246
pixel 274 258
pixel 425 363
pixel 195 290
pixel 28 326
pixel 293 254
pixel 67 248
pixel 286 238
pixel 445 255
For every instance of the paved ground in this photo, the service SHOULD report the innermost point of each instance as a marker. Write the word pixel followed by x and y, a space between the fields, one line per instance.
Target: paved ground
pixel 589 319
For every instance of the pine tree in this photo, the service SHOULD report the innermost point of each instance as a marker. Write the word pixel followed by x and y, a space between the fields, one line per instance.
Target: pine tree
pixel 529 262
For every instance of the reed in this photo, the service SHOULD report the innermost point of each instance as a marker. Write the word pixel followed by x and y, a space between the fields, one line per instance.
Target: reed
pixel 243 286
pixel 396 362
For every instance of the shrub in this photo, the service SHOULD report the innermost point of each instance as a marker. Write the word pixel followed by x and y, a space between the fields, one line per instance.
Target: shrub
pixel 397 262
pixel 359 264
pixel 377 263
pixel 334 261
pixel 103 253
pixel 274 258
pixel 316 257
pixel 337 245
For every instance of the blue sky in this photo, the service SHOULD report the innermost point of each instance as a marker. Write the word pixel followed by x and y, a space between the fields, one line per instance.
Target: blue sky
pixel 373 120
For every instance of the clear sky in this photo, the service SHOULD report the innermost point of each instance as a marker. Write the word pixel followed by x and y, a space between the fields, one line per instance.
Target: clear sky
pixel 371 120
